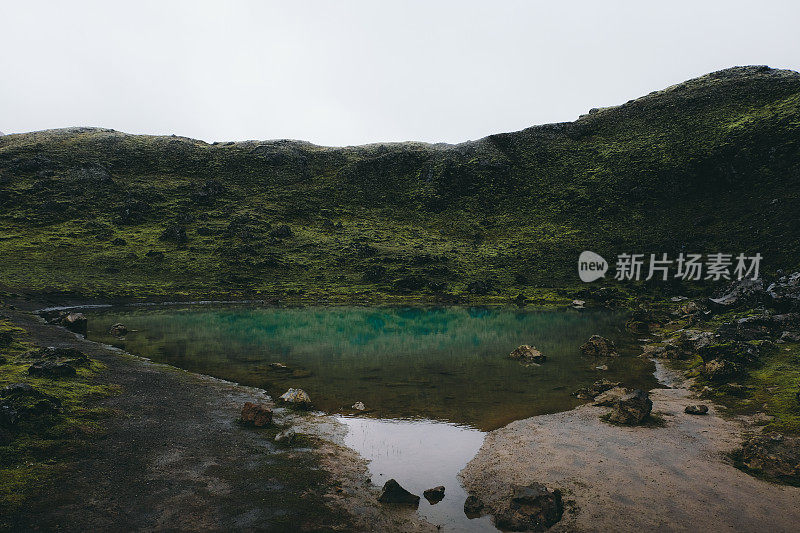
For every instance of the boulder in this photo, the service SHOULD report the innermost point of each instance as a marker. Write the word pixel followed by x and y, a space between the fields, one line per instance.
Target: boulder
pixel 281 232
pixel 50 369
pixel 631 409
pixel 531 508
pixel 785 292
pixel 256 415
pixel 118 330
pixel 434 495
pixel 596 388
pixel 75 322
pixel 473 507
pixel 696 409
pixel 598 346
pixel 578 304
pixel 359 406
pixel 296 398
pixel 610 397
pixel 528 354
pixel 393 493
pixel 741 293
pixel 772 455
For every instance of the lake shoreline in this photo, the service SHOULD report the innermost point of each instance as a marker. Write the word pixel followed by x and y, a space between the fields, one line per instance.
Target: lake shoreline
pixel 681 473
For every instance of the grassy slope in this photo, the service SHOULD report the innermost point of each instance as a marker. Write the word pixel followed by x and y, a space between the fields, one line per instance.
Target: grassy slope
pixel 709 165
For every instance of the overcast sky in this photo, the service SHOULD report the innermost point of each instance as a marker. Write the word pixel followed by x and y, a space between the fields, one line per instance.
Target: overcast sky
pixel 352 72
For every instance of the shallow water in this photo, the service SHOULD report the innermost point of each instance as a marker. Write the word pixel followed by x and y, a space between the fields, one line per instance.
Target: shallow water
pixel 433 379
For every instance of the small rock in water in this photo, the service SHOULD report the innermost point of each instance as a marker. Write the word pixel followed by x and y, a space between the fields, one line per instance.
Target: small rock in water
pixel 578 304
pixel 296 398
pixel 696 409
pixel 393 493
pixel 359 406
pixel 528 354
pixel 598 346
pixel 280 367
pixel 257 415
pixel 631 409
pixel 473 507
pixel 286 436
pixel 602 367
pixel 434 495
pixel 118 330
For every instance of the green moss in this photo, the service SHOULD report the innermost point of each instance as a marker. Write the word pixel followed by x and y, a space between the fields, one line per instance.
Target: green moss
pixel 42 446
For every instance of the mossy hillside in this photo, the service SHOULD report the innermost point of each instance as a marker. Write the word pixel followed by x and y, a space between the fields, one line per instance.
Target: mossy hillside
pixel 42 446
pixel 709 165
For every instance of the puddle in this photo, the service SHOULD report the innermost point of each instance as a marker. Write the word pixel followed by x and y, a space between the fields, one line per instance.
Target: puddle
pixel 420 454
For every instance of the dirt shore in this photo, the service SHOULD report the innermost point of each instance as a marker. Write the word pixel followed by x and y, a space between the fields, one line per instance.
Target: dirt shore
pixel 174 458
pixel 671 478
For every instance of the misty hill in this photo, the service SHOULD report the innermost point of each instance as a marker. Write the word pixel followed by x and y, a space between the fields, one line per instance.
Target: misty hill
pixel 709 165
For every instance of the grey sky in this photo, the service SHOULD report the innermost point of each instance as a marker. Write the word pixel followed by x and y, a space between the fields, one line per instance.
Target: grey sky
pixel 351 72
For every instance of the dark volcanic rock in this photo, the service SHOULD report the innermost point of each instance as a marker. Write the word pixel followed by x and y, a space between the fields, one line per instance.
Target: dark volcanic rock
pixel 696 409
pixel 532 508
pixel 434 495
pixel 746 292
pixel 528 354
pixel 631 409
pixel 785 293
pixel 281 232
pixel 49 369
pixel 118 330
pixel 773 455
pixel 598 346
pixel 473 507
pixel 598 387
pixel 256 415
pixel 393 493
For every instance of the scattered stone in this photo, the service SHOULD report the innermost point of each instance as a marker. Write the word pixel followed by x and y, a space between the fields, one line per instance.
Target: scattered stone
pixel 473 507
pixel 528 354
pixel 578 304
pixel 631 409
pixel 598 346
pixel 49 369
pixel 393 493
pixel 789 336
pixel 601 367
pixel 118 330
pixel 696 409
pixel 359 406
pixel 256 415
pixel 296 398
pixel 531 508
pixel 773 455
pixel 287 436
pixel 434 495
